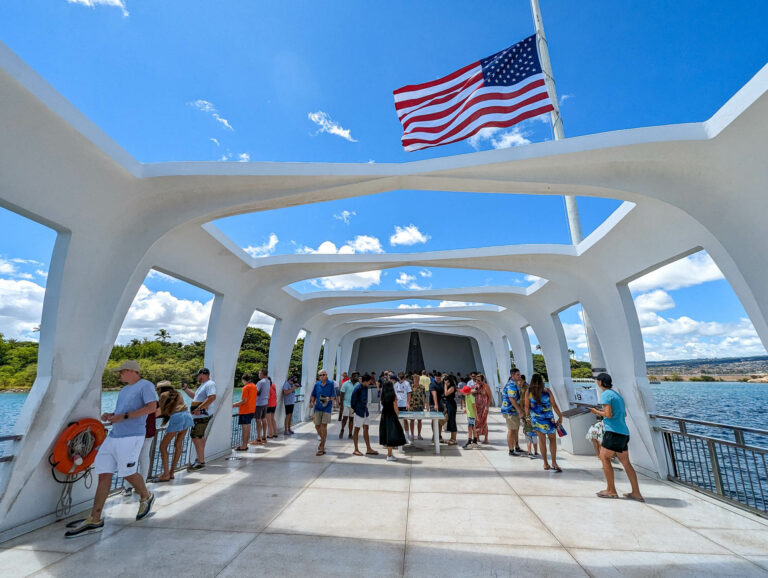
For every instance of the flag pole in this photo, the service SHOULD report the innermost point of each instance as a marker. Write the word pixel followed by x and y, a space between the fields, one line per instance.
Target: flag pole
pixel 574 223
pixel 571 208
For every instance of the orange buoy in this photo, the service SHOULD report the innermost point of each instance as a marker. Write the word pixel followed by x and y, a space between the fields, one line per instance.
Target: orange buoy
pixel 76 447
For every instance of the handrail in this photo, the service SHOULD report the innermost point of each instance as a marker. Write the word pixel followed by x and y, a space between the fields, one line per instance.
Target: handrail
pixel 711 424
pixel 718 440
pixel 11 438
pixel 728 470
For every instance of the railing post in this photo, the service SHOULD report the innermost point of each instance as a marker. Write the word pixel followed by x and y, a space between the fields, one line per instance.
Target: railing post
pixel 671 453
pixel 715 466
pixel 682 426
pixel 739 436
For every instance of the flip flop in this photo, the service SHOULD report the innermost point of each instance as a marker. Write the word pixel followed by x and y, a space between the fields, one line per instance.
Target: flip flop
pixel 631 497
pixel 558 470
pixel 547 467
pixel 320 453
pixel 357 453
pixel 607 496
pixel 373 453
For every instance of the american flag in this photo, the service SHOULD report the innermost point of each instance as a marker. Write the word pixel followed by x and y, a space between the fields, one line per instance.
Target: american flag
pixel 498 91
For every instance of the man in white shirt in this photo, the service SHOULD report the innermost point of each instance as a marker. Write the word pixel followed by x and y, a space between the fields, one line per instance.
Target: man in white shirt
pixel 403 392
pixel 202 408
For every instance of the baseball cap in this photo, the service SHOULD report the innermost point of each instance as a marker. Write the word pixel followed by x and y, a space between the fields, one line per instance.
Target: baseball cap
pixel 129 364
pixel 203 371
pixel 467 390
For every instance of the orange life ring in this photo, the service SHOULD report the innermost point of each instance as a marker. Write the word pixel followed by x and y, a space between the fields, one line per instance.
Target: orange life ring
pixel 64 460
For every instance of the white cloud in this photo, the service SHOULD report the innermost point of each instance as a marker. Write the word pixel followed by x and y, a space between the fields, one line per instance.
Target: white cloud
pixel 406 306
pixel 263 250
pixel 532 278
pixel 693 270
pixel 345 216
pixel 365 244
pixel 564 97
pixel 457 304
pixel 21 307
pixel 185 319
pixel 658 300
pixel 425 273
pixel 93 3
pixel 208 107
pixel 499 138
pixel 326 124
pixel 154 274
pixel 243 157
pixel 262 321
pixel 7 267
pixel 360 280
pixel 215 141
pixel 409 235
pixel 41 273
pixel 409 282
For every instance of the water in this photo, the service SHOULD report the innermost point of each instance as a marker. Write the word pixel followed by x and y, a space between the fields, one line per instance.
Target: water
pixel 744 404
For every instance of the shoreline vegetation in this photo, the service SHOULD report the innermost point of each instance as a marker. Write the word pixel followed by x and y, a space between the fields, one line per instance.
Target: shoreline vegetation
pixel 163 359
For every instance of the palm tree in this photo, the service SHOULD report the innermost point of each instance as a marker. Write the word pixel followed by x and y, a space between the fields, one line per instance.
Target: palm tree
pixel 571 353
pixel 162 336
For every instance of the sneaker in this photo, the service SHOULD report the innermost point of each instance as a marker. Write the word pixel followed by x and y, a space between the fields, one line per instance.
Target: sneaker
pixel 128 491
pixel 85 527
pixel 197 466
pixel 145 506
pixel 192 466
pixel 391 459
pixel 515 453
pixel 467 445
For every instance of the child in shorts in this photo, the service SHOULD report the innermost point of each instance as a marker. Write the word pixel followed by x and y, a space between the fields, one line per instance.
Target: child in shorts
pixel 470 400
pixel 530 436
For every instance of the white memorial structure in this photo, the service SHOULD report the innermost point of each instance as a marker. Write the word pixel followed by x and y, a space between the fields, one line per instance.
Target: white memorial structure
pixel 684 188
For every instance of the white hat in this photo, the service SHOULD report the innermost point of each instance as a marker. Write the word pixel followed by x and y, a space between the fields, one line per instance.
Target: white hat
pixel 130 365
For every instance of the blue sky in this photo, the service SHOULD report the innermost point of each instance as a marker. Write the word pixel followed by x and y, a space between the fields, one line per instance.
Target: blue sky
pixel 310 81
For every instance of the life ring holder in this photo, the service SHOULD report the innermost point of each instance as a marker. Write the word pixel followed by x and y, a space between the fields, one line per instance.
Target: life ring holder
pixel 74 452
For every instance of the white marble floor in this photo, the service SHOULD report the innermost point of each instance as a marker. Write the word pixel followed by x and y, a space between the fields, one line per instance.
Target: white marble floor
pixel 282 511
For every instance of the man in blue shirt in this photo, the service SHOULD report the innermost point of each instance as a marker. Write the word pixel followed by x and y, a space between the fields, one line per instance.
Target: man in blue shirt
pixel 322 399
pixel 120 451
pixel 359 404
pixel 615 439
pixel 511 410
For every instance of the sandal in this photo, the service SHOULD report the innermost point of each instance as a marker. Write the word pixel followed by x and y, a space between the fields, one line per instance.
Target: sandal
pixel 357 453
pixel 546 467
pixel 631 497
pixel 451 442
pixel 607 496
pixel 558 470
pixel 372 453
pixel 320 453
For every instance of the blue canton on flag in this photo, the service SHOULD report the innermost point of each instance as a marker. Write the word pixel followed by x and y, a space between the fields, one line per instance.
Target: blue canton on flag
pixel 512 65
pixel 495 92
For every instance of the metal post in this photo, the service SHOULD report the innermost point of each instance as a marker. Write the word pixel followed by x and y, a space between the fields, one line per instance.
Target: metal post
pixel 571 208
pixel 715 466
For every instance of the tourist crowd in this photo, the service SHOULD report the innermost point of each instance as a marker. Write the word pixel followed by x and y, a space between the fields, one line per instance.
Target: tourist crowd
pixel 531 406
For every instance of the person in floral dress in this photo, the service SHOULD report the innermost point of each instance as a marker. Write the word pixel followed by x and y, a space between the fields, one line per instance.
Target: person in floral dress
pixel 482 403
pixel 417 402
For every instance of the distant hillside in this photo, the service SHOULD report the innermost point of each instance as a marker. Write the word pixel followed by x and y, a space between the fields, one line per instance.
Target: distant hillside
pixel 719 366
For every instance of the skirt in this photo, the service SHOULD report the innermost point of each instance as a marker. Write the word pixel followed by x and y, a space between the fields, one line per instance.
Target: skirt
pixel 390 431
pixel 179 422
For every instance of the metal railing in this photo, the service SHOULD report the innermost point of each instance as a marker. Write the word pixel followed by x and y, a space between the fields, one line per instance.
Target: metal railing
pixel 156 466
pixel 725 461
pixel 8 438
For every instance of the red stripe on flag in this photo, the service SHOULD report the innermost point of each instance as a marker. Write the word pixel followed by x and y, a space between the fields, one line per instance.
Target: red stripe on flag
pixel 465 104
pixel 428 99
pixel 478 114
pixel 412 87
pixel 490 124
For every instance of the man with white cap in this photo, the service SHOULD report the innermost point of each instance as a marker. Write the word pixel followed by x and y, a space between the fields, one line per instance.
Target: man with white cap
pixel 202 409
pixel 120 451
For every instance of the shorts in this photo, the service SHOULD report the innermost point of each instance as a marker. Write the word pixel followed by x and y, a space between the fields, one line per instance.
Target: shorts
pixel 245 418
pixel 347 411
pixel 615 442
pixel 119 454
pixel 402 408
pixel 532 436
pixel 471 422
pixel 261 412
pixel 179 422
pixel 288 409
pixel 201 426
pixel 271 409
pixel 362 421
pixel 513 421
pixel 322 417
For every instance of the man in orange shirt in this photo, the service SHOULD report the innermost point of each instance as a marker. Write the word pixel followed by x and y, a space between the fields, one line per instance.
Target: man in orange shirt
pixel 246 410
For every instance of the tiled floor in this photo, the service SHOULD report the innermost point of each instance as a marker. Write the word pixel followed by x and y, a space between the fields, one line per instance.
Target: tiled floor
pixel 281 511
